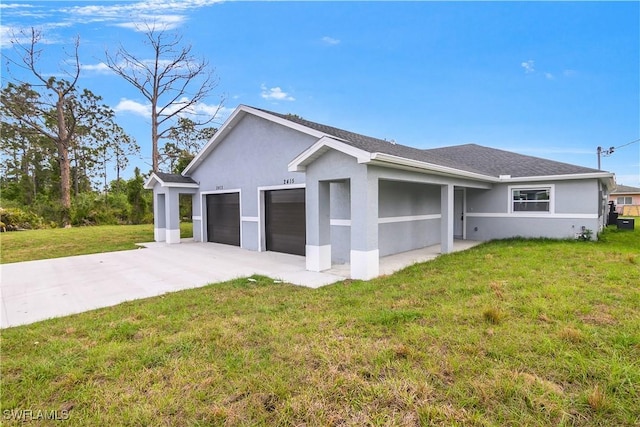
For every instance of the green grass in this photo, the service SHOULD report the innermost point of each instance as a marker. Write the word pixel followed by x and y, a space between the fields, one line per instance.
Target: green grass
pixel 61 242
pixel 513 332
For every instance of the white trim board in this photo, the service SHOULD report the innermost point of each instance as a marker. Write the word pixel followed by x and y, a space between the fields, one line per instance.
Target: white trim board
pixel 408 218
pixel 531 215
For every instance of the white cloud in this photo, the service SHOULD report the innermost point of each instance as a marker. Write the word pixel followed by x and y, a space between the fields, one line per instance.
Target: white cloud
pixel 549 76
pixel 129 106
pixel 163 22
pixel 275 94
pixel 330 41
pixel 198 112
pixel 528 66
pixel 100 68
pixel 15 6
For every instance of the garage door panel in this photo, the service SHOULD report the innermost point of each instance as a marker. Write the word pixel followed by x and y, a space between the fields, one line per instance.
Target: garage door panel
pixel 223 218
pixel 285 221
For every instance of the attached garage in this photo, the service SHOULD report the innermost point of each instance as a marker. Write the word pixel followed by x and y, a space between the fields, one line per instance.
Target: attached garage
pixel 285 224
pixel 223 218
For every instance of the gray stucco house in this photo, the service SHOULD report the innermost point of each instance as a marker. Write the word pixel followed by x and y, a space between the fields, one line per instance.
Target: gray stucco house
pixel 275 182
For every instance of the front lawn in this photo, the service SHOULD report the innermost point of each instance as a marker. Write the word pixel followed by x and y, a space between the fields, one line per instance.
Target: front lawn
pixel 514 332
pixel 31 245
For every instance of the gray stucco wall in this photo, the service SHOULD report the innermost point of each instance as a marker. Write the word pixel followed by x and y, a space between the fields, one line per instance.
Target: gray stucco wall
pixel 398 199
pixel 576 205
pixel 254 154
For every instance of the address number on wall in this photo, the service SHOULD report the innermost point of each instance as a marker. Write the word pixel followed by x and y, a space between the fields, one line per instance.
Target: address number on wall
pixel 289 181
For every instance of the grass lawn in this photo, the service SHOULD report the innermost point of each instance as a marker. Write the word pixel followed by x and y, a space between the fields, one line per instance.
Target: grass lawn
pixel 60 242
pixel 511 332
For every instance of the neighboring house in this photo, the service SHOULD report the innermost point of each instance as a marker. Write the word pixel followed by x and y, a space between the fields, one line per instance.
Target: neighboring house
pixel 274 182
pixel 626 200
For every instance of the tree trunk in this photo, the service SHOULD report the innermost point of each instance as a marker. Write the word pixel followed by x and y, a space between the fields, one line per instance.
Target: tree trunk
pixel 62 144
pixel 154 138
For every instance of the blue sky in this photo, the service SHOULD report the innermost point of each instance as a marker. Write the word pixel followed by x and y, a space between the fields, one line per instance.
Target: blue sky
pixel 548 79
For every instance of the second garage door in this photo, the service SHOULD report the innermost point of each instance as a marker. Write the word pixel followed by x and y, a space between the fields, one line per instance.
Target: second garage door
pixel 223 218
pixel 285 221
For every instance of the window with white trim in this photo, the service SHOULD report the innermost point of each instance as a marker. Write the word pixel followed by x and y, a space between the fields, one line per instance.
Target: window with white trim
pixel 627 200
pixel 531 199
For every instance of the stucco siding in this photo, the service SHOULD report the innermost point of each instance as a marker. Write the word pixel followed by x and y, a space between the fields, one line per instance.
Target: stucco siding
pixel 405 236
pixel 399 198
pixel 481 228
pixel 254 154
pixel 250 238
pixel 575 205
pixel 340 244
pixel 580 197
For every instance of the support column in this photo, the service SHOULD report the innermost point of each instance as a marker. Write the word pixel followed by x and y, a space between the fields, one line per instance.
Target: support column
pixel 365 256
pixel 172 210
pixel 159 218
pixel 318 248
pixel 446 221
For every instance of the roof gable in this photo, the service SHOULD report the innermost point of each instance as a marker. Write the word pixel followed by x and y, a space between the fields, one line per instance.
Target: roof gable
pixel 169 180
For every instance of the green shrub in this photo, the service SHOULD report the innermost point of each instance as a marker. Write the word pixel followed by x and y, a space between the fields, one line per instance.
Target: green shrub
pixel 18 219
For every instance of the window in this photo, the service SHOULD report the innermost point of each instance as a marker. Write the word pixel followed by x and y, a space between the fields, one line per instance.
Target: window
pixel 625 200
pixel 531 199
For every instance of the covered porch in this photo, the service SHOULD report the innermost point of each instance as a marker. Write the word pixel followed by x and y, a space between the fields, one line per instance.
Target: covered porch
pixel 167 188
pixel 391 263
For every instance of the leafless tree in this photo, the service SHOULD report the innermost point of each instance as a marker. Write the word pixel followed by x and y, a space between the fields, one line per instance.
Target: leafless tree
pixel 172 80
pixel 51 116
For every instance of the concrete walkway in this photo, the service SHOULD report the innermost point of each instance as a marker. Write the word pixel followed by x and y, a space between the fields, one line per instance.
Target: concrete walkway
pixel 37 290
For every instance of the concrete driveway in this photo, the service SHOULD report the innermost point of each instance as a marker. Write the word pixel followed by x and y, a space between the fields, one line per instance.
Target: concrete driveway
pixel 37 290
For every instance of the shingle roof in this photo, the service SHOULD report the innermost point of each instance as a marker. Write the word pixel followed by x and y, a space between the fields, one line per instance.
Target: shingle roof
pixel 468 157
pixel 175 178
pixel 625 189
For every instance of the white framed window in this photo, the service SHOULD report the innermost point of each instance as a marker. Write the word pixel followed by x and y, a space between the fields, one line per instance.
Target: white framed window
pixel 627 200
pixel 531 199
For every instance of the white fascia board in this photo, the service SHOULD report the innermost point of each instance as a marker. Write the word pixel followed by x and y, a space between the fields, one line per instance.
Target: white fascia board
pixel 301 161
pixel 283 122
pixel 180 185
pixel 402 161
pixel 605 177
pixel 150 183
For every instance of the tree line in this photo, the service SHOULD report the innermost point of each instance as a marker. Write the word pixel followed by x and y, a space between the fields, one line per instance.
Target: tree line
pixel 59 142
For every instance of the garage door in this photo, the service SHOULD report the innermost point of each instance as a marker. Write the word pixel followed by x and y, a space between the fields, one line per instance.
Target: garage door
pixel 285 221
pixel 223 218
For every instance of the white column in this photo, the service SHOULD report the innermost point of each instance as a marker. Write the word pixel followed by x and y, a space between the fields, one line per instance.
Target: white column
pixel 159 218
pixel 318 248
pixel 446 222
pixel 365 256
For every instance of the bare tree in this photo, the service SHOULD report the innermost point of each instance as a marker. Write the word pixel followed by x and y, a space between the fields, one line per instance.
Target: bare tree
pixel 50 116
pixel 173 81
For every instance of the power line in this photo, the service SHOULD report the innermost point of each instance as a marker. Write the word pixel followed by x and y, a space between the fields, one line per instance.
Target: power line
pixel 608 152
pixel 628 143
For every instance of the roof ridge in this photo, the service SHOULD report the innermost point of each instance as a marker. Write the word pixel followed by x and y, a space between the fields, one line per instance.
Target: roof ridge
pixel 468 157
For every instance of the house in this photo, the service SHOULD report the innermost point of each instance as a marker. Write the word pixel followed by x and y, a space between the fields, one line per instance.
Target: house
pixel 274 182
pixel 626 199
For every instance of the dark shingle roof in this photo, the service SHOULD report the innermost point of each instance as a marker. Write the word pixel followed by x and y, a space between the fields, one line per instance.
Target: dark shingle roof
pixel 496 162
pixel 174 177
pixel 468 157
pixel 625 189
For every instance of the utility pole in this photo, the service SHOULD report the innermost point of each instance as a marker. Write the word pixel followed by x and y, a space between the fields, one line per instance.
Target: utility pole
pixel 604 153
